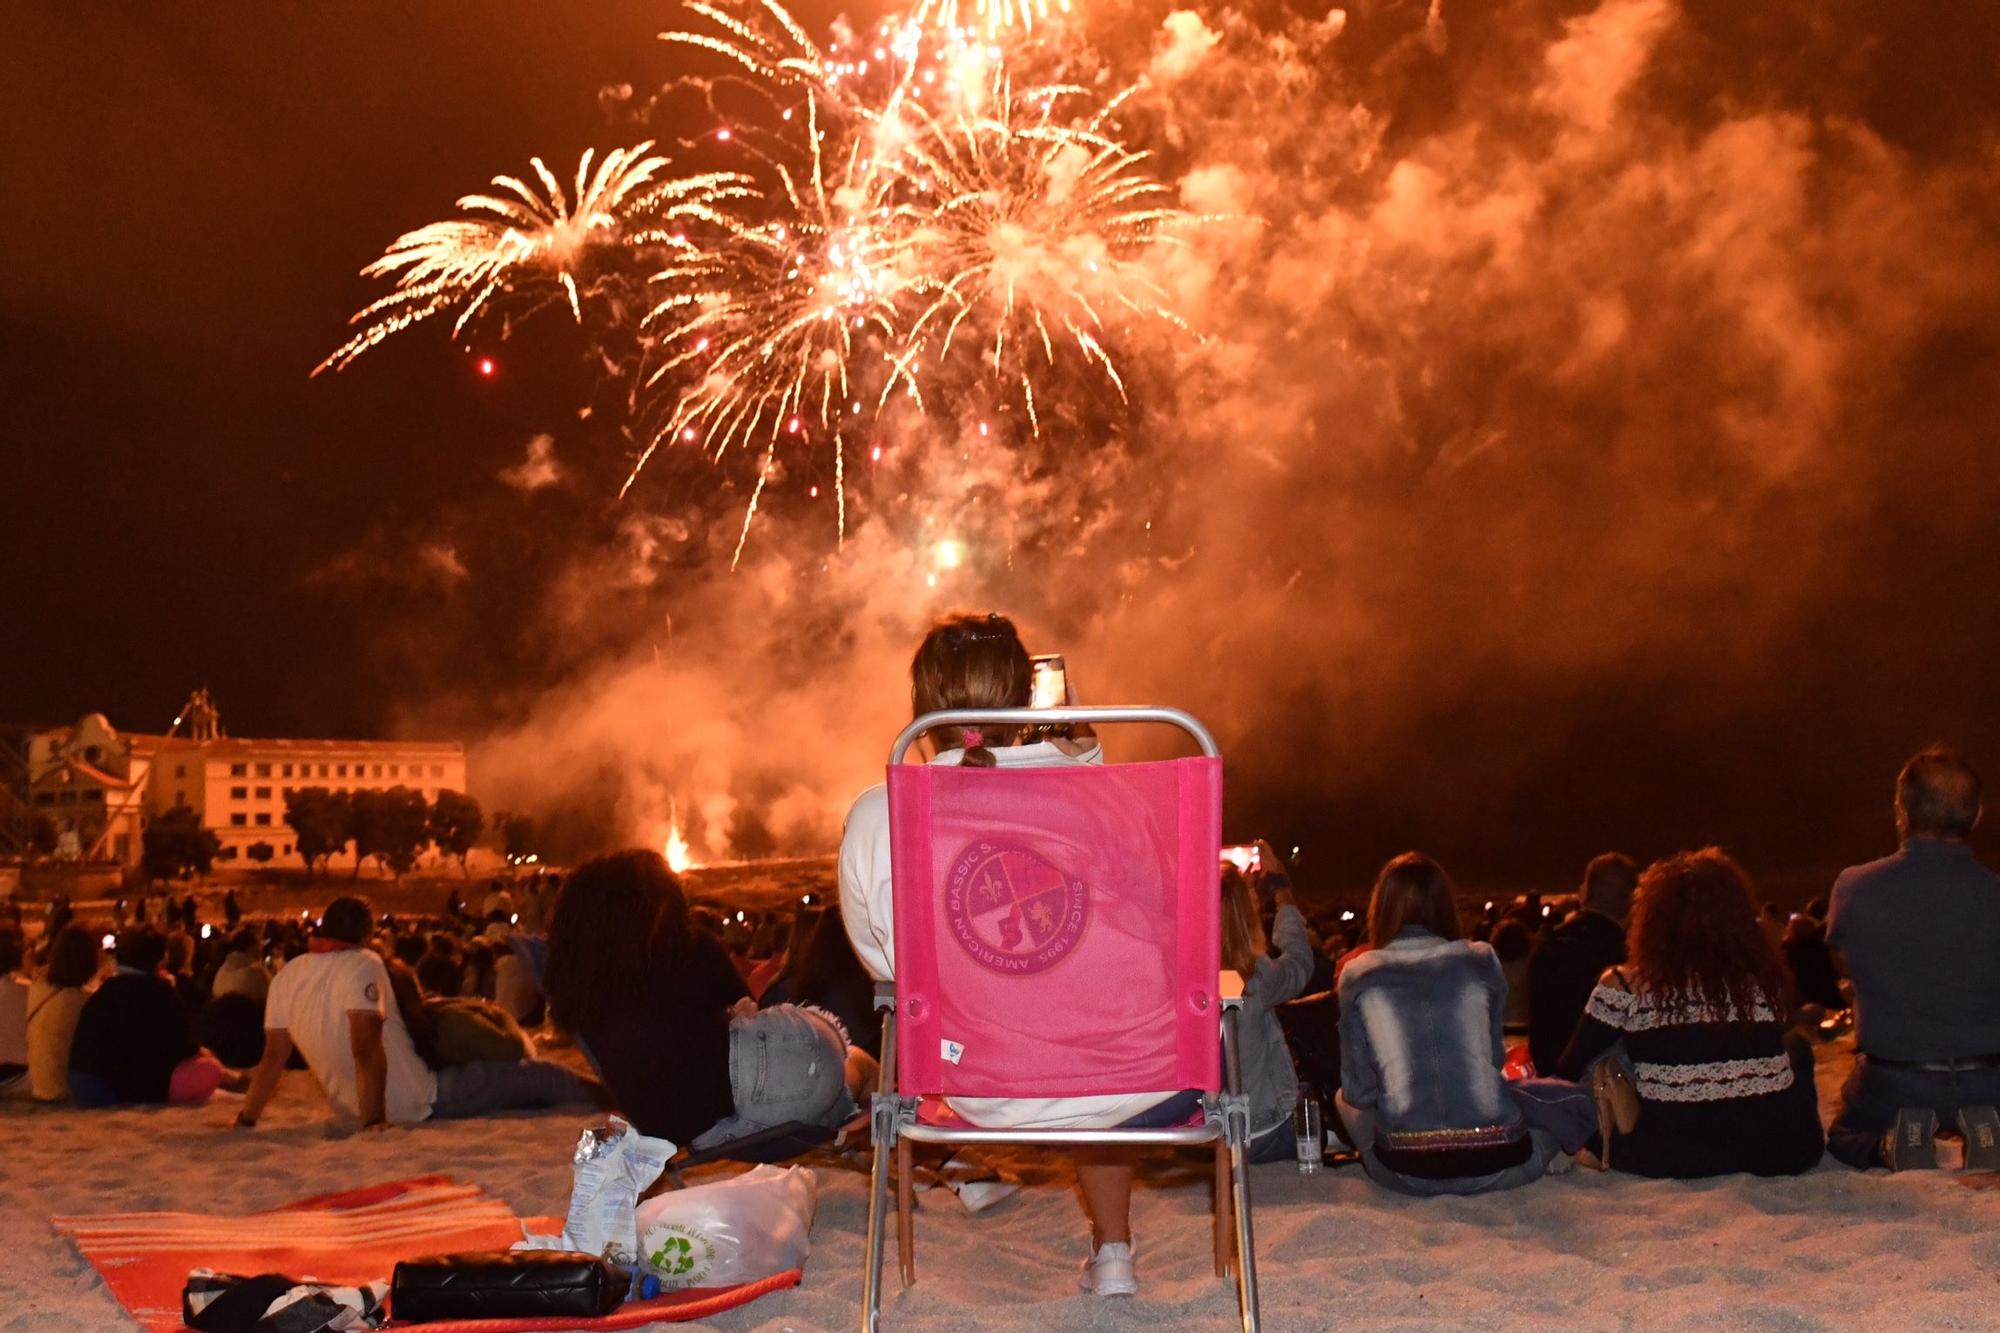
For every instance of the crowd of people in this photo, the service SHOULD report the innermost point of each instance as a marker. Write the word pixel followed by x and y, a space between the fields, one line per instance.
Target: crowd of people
pixel 1661 1022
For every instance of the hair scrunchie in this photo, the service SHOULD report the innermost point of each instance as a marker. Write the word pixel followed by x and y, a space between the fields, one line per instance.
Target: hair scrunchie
pixel 973 737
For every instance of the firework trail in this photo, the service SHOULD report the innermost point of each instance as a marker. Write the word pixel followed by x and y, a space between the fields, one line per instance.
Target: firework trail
pixel 520 239
pixel 908 200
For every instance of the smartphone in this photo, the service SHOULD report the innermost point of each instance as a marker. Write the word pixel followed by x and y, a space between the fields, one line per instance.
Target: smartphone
pixel 1050 681
pixel 1246 857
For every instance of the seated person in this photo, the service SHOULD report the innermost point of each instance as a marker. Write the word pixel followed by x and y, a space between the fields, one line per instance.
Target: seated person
pixel 55 1002
pixel 334 1005
pixel 1269 1079
pixel 1815 978
pixel 1702 1009
pixel 134 1039
pixel 14 989
pixel 827 975
pixel 1421 1048
pixel 974 661
pixel 1919 935
pixel 1566 965
pixel 242 971
pixel 666 1019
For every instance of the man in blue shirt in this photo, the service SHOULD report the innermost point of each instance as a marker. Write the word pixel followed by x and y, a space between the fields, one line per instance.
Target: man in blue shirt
pixel 1919 935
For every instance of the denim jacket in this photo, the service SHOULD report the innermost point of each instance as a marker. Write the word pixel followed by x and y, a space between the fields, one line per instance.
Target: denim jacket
pixel 1420 1035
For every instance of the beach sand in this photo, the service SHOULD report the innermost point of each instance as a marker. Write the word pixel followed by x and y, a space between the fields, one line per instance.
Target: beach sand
pixel 1832 1249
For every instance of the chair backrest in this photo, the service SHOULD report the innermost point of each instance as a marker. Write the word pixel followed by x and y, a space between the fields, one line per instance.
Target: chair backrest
pixel 1057 928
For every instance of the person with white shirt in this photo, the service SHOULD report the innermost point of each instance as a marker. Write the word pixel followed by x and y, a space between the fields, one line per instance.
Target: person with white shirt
pixel 978 661
pixel 335 1006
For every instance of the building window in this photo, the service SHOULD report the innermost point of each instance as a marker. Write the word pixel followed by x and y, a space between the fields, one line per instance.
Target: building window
pixel 340 770
pixel 94 794
pixel 395 770
pixel 180 770
pixel 180 798
pixel 378 770
pixel 322 771
pixel 239 819
pixel 287 771
pixel 263 770
pixel 239 770
pixel 239 793
pixel 45 798
pixel 263 819
pixel 437 770
pixel 263 793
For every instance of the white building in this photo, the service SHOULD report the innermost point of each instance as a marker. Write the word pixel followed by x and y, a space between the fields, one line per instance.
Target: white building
pixel 99 788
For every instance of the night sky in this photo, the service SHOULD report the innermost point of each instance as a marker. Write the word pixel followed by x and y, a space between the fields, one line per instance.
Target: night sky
pixel 194 188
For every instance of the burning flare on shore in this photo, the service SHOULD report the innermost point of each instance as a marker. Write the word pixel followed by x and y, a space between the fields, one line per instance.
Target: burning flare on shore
pixel 680 858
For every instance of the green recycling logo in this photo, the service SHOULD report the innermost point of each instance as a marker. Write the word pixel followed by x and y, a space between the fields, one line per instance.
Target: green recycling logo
pixel 682 1256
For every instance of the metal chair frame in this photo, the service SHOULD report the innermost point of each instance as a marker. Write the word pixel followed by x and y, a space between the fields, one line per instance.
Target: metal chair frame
pixel 1225 1115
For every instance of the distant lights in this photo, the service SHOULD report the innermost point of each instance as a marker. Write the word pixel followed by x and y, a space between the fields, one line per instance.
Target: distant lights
pixel 486 367
pixel 875 454
pixel 723 135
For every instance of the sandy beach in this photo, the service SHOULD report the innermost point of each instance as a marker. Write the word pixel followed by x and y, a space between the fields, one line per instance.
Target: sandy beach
pixel 1832 1249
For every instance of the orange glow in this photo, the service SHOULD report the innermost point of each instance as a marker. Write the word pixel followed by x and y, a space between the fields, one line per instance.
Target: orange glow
pixel 679 857
pixel 486 366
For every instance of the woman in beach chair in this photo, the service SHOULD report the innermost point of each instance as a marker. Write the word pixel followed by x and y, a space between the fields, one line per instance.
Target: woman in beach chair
pixel 1701 1008
pixel 683 1050
pixel 1421 1048
pixel 978 661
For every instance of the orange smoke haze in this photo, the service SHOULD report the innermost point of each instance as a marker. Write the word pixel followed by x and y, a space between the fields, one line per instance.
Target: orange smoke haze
pixel 1588 445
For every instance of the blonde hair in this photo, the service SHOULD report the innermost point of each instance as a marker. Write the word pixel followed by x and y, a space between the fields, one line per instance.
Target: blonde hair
pixel 970 661
pixel 1243 937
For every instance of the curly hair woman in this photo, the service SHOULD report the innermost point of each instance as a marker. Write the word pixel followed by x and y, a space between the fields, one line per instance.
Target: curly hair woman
pixel 1701 1008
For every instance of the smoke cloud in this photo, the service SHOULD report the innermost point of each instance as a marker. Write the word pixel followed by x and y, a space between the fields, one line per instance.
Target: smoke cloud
pixel 1585 445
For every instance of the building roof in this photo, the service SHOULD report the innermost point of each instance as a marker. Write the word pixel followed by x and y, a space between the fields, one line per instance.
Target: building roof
pixel 67 771
pixel 232 745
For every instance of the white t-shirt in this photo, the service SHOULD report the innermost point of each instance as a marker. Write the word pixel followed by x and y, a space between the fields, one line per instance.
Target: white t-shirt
pixel 867 908
pixel 311 999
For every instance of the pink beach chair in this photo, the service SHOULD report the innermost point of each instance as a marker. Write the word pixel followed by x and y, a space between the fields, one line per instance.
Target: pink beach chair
pixel 1057 934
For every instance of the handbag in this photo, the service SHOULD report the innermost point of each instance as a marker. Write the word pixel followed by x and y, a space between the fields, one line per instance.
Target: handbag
pixel 511 1284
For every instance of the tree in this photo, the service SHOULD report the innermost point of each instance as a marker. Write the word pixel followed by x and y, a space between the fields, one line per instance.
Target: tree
pixel 392 826
pixel 260 852
pixel 321 822
pixel 176 843
pixel 456 821
pixel 516 833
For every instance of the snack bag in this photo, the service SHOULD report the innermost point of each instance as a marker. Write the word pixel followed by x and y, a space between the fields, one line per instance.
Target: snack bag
pixel 613 1163
pixel 736 1230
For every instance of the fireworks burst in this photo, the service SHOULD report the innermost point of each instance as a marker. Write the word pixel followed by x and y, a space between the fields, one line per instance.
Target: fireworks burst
pixel 521 238
pixel 906 200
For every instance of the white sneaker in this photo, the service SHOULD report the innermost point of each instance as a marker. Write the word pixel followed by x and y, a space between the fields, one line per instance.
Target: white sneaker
pixel 1109 1272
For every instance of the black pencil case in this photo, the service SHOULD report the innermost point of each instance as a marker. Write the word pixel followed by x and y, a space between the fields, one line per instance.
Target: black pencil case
pixel 511 1284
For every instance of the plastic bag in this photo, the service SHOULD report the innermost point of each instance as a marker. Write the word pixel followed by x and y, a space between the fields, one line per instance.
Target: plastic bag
pixel 736 1230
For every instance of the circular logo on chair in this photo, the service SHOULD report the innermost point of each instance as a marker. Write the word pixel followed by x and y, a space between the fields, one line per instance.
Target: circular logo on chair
pixel 1012 910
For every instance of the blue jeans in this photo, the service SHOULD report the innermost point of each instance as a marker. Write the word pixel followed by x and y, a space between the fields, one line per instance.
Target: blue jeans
pixel 787 1064
pixel 1172 1113
pixel 485 1086
pixel 1874 1093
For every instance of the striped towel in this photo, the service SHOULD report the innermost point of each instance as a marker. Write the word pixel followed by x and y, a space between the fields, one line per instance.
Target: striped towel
pixel 343 1239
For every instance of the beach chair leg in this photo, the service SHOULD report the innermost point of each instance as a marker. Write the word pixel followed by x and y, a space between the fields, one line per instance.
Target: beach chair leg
pixel 1223 1230
pixel 1246 1260
pixel 878 1206
pixel 906 1246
